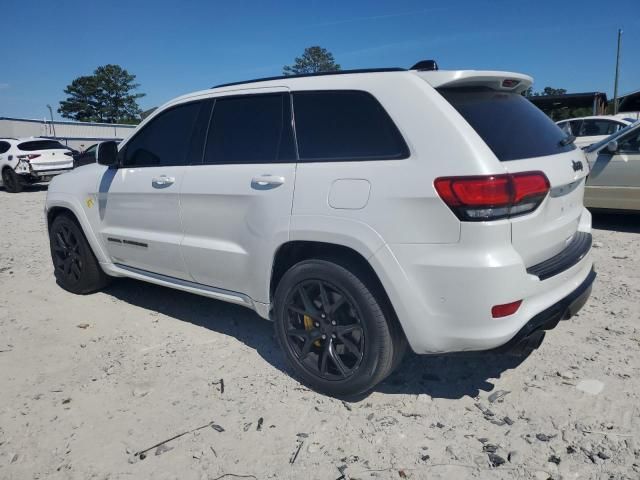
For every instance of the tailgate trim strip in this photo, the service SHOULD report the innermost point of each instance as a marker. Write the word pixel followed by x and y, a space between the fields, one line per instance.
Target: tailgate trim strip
pixel 567 258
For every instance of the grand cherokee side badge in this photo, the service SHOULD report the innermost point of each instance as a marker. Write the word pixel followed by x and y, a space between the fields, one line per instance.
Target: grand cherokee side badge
pixel 577 165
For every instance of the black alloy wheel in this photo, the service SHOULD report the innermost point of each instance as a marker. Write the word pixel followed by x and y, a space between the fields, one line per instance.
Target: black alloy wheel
pixel 67 259
pixel 335 327
pixel 324 329
pixel 75 267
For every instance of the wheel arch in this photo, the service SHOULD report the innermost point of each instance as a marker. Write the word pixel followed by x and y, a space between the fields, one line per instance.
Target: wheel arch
pixel 67 205
pixel 296 251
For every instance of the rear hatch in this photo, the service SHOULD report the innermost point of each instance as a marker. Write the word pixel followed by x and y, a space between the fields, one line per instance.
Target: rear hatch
pixel 44 155
pixel 524 139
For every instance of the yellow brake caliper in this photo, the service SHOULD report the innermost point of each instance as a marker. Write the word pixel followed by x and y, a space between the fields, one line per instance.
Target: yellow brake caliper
pixel 308 325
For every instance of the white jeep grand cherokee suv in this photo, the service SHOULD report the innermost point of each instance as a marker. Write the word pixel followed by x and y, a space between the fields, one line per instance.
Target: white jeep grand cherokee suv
pixel 359 211
pixel 24 161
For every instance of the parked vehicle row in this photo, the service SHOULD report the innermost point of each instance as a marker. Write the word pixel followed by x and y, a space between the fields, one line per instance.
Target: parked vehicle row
pixel 361 211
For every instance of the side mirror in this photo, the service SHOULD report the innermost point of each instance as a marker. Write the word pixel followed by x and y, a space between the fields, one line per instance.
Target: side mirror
pixel 107 153
pixel 612 146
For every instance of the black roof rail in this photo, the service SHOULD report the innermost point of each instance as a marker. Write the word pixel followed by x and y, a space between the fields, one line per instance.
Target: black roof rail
pixel 320 74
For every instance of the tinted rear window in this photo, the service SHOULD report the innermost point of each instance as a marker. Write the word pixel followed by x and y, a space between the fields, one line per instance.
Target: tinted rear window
pixel 345 125
pixel 510 125
pixel 41 145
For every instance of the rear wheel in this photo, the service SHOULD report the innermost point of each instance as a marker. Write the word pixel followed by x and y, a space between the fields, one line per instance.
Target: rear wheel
pixel 75 266
pixel 12 181
pixel 333 330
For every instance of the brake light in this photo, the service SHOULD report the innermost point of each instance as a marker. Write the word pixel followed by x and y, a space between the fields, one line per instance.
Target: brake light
pixel 29 157
pixel 493 197
pixel 499 311
pixel 510 83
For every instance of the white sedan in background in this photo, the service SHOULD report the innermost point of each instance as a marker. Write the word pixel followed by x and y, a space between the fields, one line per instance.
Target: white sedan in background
pixel 24 161
pixel 590 130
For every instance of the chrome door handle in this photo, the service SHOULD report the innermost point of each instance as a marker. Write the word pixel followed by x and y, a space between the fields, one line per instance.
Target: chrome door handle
pixel 162 181
pixel 266 182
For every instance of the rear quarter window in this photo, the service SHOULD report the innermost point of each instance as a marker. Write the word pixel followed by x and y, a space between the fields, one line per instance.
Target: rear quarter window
pixel 345 125
pixel 4 147
pixel 511 126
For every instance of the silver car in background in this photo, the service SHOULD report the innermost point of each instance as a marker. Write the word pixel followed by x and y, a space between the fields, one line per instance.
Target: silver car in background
pixel 614 180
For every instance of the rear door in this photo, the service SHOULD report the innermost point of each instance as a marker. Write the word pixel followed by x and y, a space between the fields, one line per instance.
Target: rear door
pixel 614 181
pixel 236 205
pixel 524 139
pixel 139 202
pixel 45 155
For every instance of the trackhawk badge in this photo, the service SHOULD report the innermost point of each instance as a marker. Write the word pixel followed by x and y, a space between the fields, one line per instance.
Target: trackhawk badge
pixel 577 165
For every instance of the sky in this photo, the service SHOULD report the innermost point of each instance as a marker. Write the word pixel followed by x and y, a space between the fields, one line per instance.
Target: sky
pixel 175 47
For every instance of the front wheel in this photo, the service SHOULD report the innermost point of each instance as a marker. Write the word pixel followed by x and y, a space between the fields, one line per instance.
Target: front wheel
pixel 75 266
pixel 333 330
pixel 11 181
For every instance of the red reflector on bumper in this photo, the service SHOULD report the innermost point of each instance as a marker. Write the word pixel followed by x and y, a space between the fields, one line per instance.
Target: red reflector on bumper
pixel 498 311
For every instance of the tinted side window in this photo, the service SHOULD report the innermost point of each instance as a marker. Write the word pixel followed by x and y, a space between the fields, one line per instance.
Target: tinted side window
pixel 575 127
pixel 599 127
pixel 164 140
pixel 251 129
pixel 345 125
pixel 4 147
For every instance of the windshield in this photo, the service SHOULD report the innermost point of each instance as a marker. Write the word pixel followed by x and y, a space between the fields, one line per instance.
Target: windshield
pixel 511 126
pixel 603 142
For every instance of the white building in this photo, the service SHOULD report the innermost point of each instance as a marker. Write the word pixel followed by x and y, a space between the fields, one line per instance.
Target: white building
pixel 77 135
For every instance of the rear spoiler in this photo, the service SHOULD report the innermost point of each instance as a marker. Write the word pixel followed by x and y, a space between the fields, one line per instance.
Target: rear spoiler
pixel 496 80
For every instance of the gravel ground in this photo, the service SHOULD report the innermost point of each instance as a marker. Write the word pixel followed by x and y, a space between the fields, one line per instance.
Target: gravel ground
pixel 89 382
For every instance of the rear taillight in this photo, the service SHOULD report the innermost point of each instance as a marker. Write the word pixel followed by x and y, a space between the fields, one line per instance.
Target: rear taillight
pixel 29 157
pixel 493 197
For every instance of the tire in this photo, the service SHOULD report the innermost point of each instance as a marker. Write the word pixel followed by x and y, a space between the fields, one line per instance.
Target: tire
pixel 76 268
pixel 11 181
pixel 341 350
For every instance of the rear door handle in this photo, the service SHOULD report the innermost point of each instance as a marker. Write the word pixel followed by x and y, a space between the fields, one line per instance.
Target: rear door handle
pixel 162 181
pixel 266 182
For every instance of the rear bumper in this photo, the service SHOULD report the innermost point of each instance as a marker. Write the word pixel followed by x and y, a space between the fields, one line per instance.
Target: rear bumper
pixel 443 293
pixel 36 176
pixel 550 317
pixel 50 173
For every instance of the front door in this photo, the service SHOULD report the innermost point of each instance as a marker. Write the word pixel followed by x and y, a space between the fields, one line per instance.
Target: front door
pixel 139 202
pixel 236 206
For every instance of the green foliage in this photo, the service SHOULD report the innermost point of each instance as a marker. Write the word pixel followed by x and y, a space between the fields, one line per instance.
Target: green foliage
pixel 546 91
pixel 106 96
pixel 314 60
